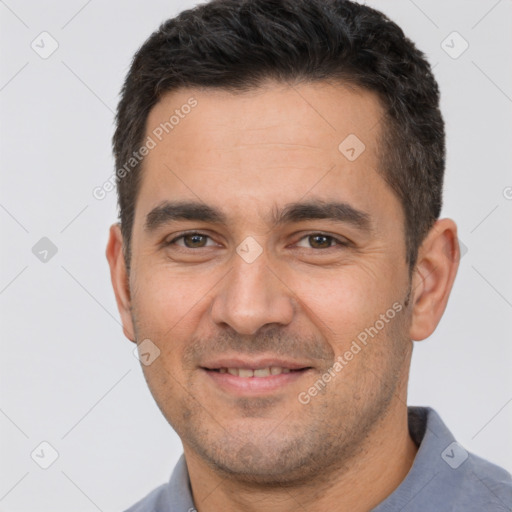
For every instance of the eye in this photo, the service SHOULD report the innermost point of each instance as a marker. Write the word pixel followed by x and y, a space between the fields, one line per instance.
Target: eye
pixel 197 240
pixel 320 241
pixel 192 240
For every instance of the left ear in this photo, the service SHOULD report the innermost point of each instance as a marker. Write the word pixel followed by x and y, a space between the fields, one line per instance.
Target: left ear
pixel 434 274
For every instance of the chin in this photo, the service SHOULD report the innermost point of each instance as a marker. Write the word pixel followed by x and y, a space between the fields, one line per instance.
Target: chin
pixel 263 461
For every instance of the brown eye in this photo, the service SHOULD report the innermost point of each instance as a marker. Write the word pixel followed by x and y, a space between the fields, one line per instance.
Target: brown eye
pixel 191 241
pixel 194 240
pixel 319 241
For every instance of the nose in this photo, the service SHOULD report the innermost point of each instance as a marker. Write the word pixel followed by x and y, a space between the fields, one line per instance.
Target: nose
pixel 250 296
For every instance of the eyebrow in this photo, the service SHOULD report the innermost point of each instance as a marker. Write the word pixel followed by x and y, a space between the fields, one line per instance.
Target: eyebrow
pixel 170 211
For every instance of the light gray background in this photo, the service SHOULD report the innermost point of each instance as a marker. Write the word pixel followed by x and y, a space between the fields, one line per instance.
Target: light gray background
pixel 68 374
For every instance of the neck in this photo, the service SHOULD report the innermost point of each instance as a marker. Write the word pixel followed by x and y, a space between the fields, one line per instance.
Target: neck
pixel 375 471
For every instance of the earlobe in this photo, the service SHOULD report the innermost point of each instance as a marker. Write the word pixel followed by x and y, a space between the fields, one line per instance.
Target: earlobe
pixel 119 278
pixel 436 268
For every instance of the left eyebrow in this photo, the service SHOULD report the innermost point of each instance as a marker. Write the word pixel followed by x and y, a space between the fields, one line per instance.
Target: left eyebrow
pixel 317 209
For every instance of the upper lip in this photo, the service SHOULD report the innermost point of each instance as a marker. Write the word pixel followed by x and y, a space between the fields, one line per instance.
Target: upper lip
pixel 253 363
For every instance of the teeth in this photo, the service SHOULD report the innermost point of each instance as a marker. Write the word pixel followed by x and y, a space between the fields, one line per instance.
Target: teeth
pixel 264 372
pixel 261 372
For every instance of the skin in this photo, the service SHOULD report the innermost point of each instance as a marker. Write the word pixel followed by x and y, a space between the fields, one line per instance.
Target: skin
pixel 248 155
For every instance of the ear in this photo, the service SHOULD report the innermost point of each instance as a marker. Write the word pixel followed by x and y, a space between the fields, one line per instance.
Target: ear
pixel 434 274
pixel 119 279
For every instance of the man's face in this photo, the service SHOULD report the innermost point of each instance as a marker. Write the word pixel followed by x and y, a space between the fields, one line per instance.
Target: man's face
pixel 269 287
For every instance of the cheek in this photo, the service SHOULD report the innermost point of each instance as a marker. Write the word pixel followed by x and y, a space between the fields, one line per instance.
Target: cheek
pixel 164 308
pixel 167 299
pixel 157 308
pixel 167 383
pixel 342 302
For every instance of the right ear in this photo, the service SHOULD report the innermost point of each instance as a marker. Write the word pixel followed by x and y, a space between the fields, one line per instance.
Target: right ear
pixel 119 278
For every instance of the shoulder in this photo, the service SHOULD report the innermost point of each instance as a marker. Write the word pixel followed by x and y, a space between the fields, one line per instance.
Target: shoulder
pixel 150 503
pixel 488 484
pixel 175 495
pixel 461 481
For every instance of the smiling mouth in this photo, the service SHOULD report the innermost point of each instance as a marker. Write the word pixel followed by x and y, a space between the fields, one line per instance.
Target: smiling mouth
pixel 245 376
pixel 251 382
pixel 258 372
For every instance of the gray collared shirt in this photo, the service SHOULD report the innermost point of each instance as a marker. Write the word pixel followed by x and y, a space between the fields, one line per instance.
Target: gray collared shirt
pixel 443 478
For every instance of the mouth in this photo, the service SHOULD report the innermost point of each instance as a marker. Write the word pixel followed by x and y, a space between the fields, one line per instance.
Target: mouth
pixel 256 372
pixel 246 378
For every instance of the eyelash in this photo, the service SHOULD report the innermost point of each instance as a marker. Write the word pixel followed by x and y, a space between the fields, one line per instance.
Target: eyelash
pixel 337 241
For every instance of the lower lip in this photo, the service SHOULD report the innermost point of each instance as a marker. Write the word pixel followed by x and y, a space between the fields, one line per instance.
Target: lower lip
pixel 254 385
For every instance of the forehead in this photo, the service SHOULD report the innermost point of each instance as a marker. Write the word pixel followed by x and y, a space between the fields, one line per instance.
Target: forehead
pixel 318 113
pixel 269 145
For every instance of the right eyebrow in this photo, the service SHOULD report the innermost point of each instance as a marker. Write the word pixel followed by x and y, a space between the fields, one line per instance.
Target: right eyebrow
pixel 169 211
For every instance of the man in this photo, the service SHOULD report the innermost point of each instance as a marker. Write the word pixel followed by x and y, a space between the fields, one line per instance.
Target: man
pixel 280 167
